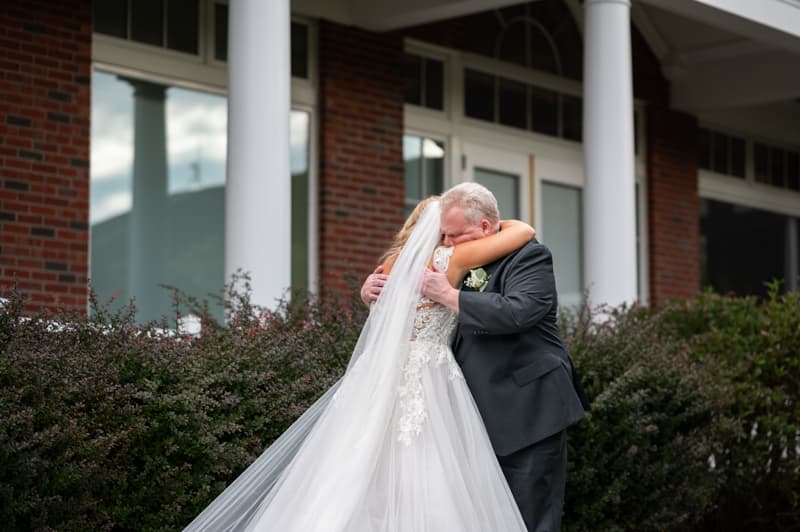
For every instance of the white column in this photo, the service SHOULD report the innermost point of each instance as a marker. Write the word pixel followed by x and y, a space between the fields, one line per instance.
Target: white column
pixel 258 187
pixel 609 210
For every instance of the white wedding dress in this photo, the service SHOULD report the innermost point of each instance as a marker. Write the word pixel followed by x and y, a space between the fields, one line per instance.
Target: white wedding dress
pixel 397 445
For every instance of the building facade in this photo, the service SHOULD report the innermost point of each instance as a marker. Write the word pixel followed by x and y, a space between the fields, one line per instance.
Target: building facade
pixel 654 144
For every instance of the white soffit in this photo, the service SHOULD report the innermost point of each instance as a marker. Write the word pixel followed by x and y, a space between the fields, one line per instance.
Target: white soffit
pixel 388 15
pixel 773 22
pixel 715 64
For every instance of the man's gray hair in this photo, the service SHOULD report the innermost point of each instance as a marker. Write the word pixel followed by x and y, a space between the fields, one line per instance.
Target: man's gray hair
pixel 475 200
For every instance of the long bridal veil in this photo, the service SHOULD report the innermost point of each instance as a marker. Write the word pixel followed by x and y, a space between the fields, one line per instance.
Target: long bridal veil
pixel 316 473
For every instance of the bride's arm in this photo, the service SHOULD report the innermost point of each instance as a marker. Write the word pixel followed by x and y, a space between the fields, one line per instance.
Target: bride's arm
pixel 513 235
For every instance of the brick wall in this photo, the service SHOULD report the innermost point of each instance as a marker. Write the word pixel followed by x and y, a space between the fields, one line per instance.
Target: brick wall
pixel 45 68
pixel 361 157
pixel 673 200
pixel 674 205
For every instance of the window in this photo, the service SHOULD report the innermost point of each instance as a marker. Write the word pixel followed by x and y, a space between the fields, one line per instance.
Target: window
pixel 776 166
pixel 158 156
pixel 540 35
pixel 561 217
pixel 157 191
pixel 170 24
pixel 423 161
pixel 175 25
pixel 516 104
pixel 424 81
pixel 725 266
pixel 721 153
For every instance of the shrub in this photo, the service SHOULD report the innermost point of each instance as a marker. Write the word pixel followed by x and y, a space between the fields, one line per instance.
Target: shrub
pixel 109 424
pixel 753 350
pixel 641 459
pixel 106 424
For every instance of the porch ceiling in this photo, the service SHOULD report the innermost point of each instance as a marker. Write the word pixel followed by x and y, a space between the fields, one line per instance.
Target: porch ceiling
pixel 717 59
pixel 387 15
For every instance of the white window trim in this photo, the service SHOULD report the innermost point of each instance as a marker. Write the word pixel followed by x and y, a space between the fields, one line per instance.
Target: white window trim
pixel 748 194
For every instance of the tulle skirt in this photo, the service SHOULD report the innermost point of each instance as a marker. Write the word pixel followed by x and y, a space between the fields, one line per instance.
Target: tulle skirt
pixel 433 468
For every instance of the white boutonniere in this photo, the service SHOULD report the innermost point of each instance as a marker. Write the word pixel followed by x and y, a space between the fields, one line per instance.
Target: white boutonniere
pixel 477 279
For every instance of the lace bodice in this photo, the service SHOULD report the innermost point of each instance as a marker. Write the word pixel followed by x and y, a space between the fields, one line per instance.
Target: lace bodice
pixel 432 334
pixel 434 322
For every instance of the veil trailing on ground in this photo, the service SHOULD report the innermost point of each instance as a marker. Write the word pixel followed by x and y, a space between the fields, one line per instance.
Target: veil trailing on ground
pixel 335 445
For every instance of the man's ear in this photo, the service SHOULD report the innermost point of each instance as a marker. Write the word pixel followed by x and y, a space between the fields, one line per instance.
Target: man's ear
pixel 486 226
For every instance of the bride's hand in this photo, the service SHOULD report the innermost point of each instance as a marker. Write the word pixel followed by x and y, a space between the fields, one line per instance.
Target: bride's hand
pixel 372 287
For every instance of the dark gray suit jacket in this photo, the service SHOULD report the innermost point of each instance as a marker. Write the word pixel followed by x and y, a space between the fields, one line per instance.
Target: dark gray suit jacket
pixel 512 355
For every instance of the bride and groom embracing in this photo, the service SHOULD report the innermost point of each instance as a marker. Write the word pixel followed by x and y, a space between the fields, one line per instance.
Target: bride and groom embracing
pixel 452 412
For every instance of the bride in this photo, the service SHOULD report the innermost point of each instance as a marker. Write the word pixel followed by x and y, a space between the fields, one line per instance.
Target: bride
pixel 397 444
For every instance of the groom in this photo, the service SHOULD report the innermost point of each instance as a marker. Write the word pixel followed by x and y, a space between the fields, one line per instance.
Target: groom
pixel 512 356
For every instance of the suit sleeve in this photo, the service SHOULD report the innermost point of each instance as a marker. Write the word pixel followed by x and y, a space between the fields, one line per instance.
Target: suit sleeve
pixel 528 291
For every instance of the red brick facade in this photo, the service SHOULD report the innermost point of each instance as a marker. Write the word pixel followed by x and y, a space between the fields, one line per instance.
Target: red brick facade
pixel 45 80
pixel 673 201
pixel 361 155
pixel 45 73
pixel 673 205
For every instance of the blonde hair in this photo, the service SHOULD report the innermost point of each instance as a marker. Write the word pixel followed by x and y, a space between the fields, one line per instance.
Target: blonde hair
pixel 402 235
pixel 475 200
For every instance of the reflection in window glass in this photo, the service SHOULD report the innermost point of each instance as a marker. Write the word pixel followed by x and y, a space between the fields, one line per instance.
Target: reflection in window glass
pixel 157 194
pixel 423 161
pixel 561 230
pixel 299 136
pixel 433 167
pixel 157 215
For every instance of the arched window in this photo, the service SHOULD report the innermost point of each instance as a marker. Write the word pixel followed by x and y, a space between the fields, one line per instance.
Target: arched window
pixel 541 35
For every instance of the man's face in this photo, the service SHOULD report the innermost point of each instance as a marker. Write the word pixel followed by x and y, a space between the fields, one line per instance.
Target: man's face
pixel 456 229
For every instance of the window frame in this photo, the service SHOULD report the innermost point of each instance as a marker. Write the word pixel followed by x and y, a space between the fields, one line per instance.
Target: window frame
pixel 457 130
pixel 202 72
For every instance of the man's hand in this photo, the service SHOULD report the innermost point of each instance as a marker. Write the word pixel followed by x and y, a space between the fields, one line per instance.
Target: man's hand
pixel 372 287
pixel 436 286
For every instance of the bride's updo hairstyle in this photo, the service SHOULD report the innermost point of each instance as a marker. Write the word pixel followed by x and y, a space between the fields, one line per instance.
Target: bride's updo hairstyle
pixel 475 200
pixel 402 235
